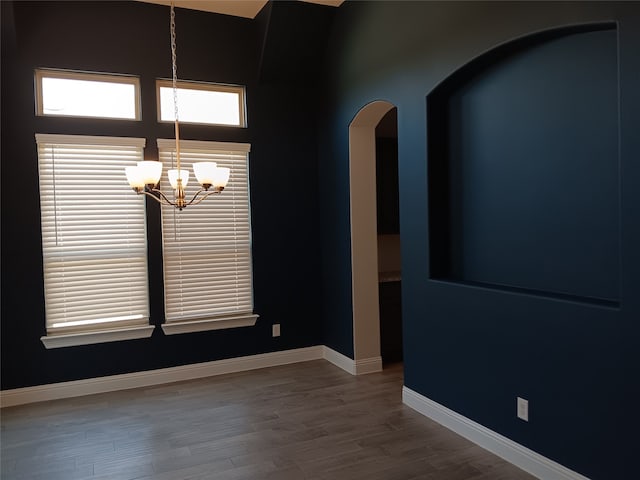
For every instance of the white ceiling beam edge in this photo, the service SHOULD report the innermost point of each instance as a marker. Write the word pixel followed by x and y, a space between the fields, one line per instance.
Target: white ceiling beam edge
pixel 238 8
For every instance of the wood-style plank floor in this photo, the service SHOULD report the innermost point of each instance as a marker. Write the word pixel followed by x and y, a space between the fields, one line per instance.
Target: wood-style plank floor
pixel 305 421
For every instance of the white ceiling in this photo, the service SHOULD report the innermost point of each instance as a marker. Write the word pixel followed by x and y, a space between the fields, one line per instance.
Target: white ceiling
pixel 238 8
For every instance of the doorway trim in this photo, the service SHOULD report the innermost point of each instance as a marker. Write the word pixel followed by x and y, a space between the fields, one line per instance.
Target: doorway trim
pixel 364 236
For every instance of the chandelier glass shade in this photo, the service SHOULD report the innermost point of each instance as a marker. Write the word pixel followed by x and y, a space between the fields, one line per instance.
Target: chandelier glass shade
pixel 144 178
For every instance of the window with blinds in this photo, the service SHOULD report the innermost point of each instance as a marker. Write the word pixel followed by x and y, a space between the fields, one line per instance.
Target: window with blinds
pixel 207 247
pixel 93 236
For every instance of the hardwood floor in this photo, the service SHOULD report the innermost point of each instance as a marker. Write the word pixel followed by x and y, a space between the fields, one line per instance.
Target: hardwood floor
pixel 305 421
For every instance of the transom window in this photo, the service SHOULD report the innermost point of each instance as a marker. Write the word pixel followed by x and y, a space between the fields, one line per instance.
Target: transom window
pixel 79 94
pixel 200 102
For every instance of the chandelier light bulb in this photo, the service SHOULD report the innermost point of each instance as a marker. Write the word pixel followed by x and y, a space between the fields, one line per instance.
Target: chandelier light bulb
pixel 134 176
pixel 205 172
pixel 150 171
pixel 173 178
pixel 222 177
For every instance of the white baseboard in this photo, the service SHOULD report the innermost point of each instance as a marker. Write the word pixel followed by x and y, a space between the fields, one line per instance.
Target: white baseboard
pixel 55 391
pixel 339 360
pixel 522 457
pixel 90 386
pixel 368 365
pixel 354 367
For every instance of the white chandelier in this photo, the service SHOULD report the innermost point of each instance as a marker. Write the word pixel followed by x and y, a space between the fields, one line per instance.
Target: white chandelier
pixel 145 177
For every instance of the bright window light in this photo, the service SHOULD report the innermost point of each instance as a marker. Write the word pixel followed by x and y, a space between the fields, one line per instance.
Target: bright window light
pixel 77 323
pixel 78 94
pixel 203 103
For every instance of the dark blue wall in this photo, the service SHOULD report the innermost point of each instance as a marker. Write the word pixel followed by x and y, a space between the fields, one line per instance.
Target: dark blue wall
pixel 523 162
pixel 133 38
pixel 472 348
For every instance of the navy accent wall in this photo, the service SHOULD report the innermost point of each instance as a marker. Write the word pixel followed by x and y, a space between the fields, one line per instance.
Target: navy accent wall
pixel 469 347
pixel 133 38
pixel 523 161
pixel 334 221
pixel 294 43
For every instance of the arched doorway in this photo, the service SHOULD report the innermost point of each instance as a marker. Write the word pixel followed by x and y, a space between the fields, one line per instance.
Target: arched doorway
pixel 364 245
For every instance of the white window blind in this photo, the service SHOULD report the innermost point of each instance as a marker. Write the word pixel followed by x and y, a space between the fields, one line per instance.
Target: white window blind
pixel 93 234
pixel 207 247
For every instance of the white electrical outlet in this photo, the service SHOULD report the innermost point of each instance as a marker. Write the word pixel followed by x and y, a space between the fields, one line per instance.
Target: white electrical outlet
pixel 275 330
pixel 523 409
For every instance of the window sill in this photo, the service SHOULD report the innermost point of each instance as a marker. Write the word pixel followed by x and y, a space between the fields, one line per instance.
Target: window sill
pixel 100 336
pixel 209 324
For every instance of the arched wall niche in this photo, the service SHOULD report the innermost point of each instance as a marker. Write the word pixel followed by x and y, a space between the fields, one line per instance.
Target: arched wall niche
pixel 523 168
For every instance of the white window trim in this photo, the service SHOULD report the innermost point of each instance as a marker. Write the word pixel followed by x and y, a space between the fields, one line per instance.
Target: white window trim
pixel 83 139
pixel 209 324
pixel 98 336
pixel 41 73
pixel 167 143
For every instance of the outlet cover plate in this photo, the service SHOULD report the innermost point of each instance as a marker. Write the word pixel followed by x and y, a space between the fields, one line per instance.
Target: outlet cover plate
pixel 523 409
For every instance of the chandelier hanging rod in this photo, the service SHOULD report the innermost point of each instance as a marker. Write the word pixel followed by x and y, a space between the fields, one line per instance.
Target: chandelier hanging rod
pixel 145 177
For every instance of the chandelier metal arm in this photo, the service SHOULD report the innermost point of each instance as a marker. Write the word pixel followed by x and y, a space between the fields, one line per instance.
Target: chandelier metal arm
pixel 161 198
pixel 207 194
pixel 157 195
